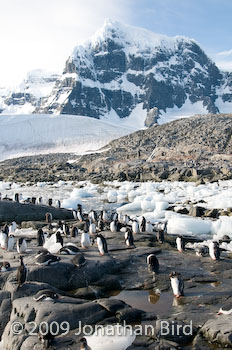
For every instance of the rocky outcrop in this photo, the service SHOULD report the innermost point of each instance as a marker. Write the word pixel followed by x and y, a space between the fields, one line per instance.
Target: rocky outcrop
pixel 189 149
pixel 14 211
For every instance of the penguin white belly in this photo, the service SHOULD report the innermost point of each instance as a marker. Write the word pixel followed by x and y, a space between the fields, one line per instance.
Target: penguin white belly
pixel 178 244
pixel 100 246
pixel 211 251
pixel 92 229
pixel 113 227
pixel 79 216
pixel 175 286
pixel 11 242
pixel 85 240
pixel 4 240
pixel 135 227
pixel 22 248
pixel 148 228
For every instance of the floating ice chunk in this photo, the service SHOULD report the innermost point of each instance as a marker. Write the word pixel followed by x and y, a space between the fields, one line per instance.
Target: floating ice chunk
pixel 188 226
pixel 113 337
pixel 129 207
pixel 162 205
pixel 223 226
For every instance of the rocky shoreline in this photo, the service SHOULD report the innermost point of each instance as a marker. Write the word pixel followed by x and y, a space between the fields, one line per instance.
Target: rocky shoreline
pixel 91 295
pixel 190 149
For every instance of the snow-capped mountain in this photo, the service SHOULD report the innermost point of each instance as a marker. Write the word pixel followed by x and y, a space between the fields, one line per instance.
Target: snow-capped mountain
pixel 129 76
pixel 27 96
pixel 125 71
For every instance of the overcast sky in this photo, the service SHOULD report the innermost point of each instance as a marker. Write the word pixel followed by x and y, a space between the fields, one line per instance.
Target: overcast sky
pixel 42 33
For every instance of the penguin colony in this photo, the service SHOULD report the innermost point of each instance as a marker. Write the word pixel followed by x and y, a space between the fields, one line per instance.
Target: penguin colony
pixel 89 228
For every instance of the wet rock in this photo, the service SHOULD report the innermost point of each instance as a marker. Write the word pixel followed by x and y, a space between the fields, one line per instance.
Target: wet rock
pixel 196 211
pixel 176 331
pixel 129 315
pixel 218 330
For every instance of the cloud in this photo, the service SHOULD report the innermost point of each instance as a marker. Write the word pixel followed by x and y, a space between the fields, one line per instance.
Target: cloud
pixel 223 60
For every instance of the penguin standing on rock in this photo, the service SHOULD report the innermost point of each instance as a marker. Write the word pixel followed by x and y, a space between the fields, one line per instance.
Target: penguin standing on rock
pixel 74 232
pixel 114 226
pixel 129 239
pixel 135 227
pixel 79 260
pixel 21 273
pixel 10 243
pixel 180 244
pixel 45 295
pixel 85 240
pixel 40 237
pixel 214 250
pixel 66 229
pixel 100 225
pixel 101 244
pixel 152 263
pixel 21 245
pixel 48 218
pixel 4 266
pixel 149 227
pixel 84 345
pixel 142 225
pixel 177 284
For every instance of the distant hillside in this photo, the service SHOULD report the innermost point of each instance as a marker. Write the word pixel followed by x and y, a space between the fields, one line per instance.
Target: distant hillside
pixel 192 149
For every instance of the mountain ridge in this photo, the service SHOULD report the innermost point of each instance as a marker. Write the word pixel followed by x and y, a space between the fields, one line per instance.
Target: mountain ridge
pixel 123 73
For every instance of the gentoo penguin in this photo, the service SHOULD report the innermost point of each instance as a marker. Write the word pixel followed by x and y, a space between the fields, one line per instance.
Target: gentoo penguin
pixel 125 219
pixel 66 229
pixel 224 312
pixel 85 240
pixel 48 218
pixel 105 217
pixel 202 250
pixel 135 227
pixel 5 229
pixel 33 200
pixel 177 284
pixel 93 216
pixel 152 263
pixel 214 250
pixel 84 345
pixel 47 259
pixel 102 244
pixel 92 227
pixel 4 266
pixel 45 336
pixel 79 260
pixel 160 235
pixel 74 232
pixel 74 212
pixel 142 226
pixel 58 203
pixel 45 295
pixel 10 243
pixel 21 245
pixel 59 238
pixel 16 197
pixel 180 243
pixel 40 237
pixel 12 227
pixel 114 226
pixel 225 239
pixel 120 218
pixel 129 239
pixel 149 227
pixel 50 202
pixel 114 216
pixel 21 273
pixel 100 225
pixel 69 249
